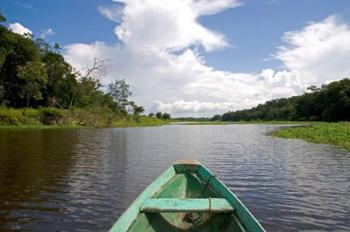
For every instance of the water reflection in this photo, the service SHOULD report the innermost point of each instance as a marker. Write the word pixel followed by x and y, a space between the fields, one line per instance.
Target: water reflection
pixel 84 179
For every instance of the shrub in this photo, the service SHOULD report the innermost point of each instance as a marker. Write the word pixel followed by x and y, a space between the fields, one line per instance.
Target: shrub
pixel 51 116
pixel 10 116
pixel 31 113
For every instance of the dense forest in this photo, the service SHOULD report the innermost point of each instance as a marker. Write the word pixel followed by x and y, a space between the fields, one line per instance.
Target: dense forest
pixel 329 103
pixel 34 75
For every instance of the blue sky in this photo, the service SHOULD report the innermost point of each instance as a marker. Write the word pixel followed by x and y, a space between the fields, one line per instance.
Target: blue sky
pixel 256 28
pixel 254 31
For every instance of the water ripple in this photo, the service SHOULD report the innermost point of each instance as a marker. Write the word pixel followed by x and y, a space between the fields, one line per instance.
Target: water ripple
pixel 82 180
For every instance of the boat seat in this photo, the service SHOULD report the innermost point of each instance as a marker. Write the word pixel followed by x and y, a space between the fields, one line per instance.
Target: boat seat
pixel 205 205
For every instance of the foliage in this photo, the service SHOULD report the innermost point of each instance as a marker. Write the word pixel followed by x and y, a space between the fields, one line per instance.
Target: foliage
pixel 329 103
pixel 190 119
pixel 34 78
pixel 138 121
pixel 120 92
pixel 159 115
pixel 34 74
pixel 137 110
pixel 86 117
pixel 9 116
pixel 216 117
pixel 166 116
pixel 17 53
pixel 51 116
pixel 96 116
pixel 163 116
pixel 330 133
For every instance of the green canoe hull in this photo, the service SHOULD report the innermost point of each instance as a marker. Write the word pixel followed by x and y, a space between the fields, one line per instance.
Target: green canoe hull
pixel 187 197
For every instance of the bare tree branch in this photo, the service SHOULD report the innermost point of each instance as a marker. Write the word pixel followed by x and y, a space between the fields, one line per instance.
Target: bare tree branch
pixel 99 67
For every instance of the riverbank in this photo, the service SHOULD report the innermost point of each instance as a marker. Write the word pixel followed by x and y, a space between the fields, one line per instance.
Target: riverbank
pixel 328 133
pixel 241 122
pixel 78 118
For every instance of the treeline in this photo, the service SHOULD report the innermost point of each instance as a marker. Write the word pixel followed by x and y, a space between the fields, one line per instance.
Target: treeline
pixel 160 115
pixel 328 103
pixel 191 119
pixel 33 74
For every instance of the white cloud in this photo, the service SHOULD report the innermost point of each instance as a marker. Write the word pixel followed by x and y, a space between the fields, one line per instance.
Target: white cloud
pixel 20 29
pixel 319 52
pixel 158 57
pixel 113 13
pixel 191 107
pixel 24 5
pixel 48 32
pixel 160 25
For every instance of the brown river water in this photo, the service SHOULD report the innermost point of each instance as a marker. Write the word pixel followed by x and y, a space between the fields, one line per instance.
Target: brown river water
pixel 83 179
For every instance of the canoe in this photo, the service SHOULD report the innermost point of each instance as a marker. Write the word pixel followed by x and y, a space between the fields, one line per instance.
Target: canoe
pixel 187 197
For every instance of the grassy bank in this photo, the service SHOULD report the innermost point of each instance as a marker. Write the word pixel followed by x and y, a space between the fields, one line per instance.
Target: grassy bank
pixel 61 118
pixel 329 133
pixel 139 121
pixel 240 122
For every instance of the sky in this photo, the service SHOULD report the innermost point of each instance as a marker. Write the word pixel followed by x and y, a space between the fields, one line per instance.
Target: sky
pixel 197 57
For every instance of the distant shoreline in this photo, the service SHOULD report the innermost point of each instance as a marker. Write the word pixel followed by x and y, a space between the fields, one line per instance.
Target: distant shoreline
pixel 98 117
pixel 335 133
pixel 240 122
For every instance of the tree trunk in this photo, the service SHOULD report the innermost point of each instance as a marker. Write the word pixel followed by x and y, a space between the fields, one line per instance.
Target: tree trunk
pixel 71 105
pixel 29 96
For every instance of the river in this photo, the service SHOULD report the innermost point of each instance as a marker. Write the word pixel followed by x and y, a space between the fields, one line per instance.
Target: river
pixel 83 179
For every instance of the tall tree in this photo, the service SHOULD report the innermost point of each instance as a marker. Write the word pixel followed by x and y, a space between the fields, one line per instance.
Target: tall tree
pixel 166 116
pixel 159 115
pixel 15 51
pixel 329 103
pixel 120 92
pixel 33 75
pixel 137 110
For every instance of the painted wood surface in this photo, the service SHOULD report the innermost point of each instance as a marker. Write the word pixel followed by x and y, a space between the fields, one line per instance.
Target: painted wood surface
pixel 207 205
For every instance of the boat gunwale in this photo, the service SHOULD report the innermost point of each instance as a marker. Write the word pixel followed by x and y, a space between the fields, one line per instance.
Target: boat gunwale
pixel 133 211
pixel 241 211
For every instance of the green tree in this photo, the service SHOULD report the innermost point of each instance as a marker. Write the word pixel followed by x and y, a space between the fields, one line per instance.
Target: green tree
pixel 151 115
pixel 119 90
pixel 216 117
pixel 62 84
pixel 159 115
pixel 34 73
pixel 15 51
pixel 166 116
pixel 137 110
pixel 329 103
pixel 34 77
pixel 88 92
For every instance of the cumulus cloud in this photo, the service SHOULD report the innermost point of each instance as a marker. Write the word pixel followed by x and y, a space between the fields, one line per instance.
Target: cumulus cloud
pixel 160 25
pixel 318 53
pixel 158 57
pixel 20 29
pixel 190 107
pixel 48 32
pixel 113 13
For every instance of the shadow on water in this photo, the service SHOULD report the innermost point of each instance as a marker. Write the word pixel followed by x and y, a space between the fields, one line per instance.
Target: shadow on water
pixel 83 179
